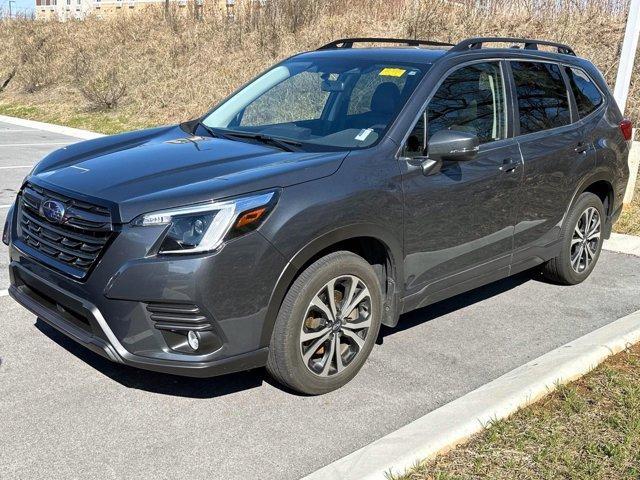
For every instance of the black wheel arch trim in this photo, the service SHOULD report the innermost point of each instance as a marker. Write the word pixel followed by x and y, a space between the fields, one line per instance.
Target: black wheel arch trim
pixel 597 176
pixel 298 261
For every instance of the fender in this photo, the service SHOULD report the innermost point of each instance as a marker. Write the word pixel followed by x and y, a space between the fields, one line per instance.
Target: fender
pixel 600 174
pixel 302 256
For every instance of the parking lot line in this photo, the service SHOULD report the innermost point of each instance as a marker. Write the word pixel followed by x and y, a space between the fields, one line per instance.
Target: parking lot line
pixel 48 127
pixel 4 293
pixel 33 144
pixel 16 166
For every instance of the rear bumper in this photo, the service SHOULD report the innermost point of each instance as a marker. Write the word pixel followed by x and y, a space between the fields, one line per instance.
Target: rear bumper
pixel 42 299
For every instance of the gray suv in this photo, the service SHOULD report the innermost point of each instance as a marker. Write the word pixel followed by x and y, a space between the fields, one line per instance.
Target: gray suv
pixel 334 192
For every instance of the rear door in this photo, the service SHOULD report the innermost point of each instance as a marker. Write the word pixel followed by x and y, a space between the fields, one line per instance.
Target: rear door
pixel 459 222
pixel 555 151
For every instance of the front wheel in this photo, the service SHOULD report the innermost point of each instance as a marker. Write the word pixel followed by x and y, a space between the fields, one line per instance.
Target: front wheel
pixel 581 242
pixel 327 324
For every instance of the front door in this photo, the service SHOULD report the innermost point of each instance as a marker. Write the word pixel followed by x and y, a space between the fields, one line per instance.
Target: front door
pixel 459 222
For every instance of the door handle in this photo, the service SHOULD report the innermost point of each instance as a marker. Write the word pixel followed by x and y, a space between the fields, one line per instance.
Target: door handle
pixel 508 165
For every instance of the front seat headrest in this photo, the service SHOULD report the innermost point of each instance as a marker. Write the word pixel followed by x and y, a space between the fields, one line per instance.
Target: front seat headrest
pixel 386 98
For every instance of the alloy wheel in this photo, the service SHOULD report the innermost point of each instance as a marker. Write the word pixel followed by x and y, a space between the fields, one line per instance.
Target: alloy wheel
pixel 335 325
pixel 585 240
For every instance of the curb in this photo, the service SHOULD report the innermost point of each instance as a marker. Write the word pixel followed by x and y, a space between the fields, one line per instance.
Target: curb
pixel 452 424
pixel 50 127
pixel 634 164
pixel 622 243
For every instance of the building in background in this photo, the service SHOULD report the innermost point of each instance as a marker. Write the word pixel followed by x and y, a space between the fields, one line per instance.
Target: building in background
pixel 79 9
pixel 61 9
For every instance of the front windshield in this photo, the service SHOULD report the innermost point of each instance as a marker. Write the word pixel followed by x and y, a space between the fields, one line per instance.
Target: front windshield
pixel 321 103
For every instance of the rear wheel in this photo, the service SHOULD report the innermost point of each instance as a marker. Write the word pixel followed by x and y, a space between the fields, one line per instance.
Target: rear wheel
pixel 327 324
pixel 581 242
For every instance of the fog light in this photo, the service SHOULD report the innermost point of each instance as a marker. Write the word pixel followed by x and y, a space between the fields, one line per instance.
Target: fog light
pixel 193 339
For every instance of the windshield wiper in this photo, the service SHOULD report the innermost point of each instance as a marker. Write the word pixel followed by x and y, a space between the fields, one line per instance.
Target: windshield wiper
pixel 281 143
pixel 211 131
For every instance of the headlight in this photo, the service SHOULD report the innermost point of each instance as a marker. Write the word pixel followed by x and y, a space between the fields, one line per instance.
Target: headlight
pixel 203 228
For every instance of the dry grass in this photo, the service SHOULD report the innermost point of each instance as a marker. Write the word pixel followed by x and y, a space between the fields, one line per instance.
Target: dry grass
pixel 157 71
pixel 587 430
pixel 629 221
pixel 135 71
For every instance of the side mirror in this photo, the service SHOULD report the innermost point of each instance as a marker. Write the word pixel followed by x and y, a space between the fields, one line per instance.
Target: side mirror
pixel 427 165
pixel 453 145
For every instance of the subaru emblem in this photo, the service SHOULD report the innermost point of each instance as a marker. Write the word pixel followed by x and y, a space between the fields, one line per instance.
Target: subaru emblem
pixel 53 211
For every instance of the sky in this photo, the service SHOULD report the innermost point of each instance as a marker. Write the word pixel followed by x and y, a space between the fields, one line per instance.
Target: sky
pixel 19 5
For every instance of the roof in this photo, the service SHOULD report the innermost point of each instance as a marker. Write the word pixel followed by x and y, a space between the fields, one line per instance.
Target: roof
pixel 426 51
pixel 418 55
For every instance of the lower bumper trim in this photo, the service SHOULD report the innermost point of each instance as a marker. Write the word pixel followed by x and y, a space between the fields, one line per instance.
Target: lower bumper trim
pixel 257 358
pixel 23 297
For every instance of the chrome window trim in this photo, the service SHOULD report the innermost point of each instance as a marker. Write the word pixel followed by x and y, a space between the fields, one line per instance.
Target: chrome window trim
pixel 434 90
pixel 526 136
pixel 559 65
pixel 572 124
pixel 602 94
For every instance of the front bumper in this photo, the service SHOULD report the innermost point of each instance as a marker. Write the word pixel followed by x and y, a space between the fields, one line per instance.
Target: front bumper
pixel 111 311
pixel 104 343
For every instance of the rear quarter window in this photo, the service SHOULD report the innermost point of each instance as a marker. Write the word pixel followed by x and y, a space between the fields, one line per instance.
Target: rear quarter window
pixel 588 97
pixel 543 100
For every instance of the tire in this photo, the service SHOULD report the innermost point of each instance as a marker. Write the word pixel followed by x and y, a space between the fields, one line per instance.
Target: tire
pixel 564 268
pixel 298 364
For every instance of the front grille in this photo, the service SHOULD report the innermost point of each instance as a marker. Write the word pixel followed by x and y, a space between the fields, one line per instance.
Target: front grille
pixel 178 316
pixel 77 242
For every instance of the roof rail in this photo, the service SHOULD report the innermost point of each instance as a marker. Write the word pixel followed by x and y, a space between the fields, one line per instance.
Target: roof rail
pixel 348 42
pixel 529 44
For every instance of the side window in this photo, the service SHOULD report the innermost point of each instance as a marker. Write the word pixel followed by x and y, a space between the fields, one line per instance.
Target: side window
pixel 470 99
pixel 543 99
pixel 416 144
pixel 587 95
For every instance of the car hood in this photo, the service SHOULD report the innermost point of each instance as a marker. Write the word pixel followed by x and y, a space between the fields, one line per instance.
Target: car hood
pixel 139 172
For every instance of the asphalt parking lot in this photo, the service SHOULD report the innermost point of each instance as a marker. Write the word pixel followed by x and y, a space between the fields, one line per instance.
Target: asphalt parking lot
pixel 68 413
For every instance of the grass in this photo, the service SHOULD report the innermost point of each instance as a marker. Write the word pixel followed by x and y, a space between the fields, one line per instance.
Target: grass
pixel 587 430
pixel 135 71
pixel 100 121
pixel 165 69
pixel 629 221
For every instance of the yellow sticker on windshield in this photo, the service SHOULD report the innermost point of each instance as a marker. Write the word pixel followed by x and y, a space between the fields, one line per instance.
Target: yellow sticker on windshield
pixel 392 72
